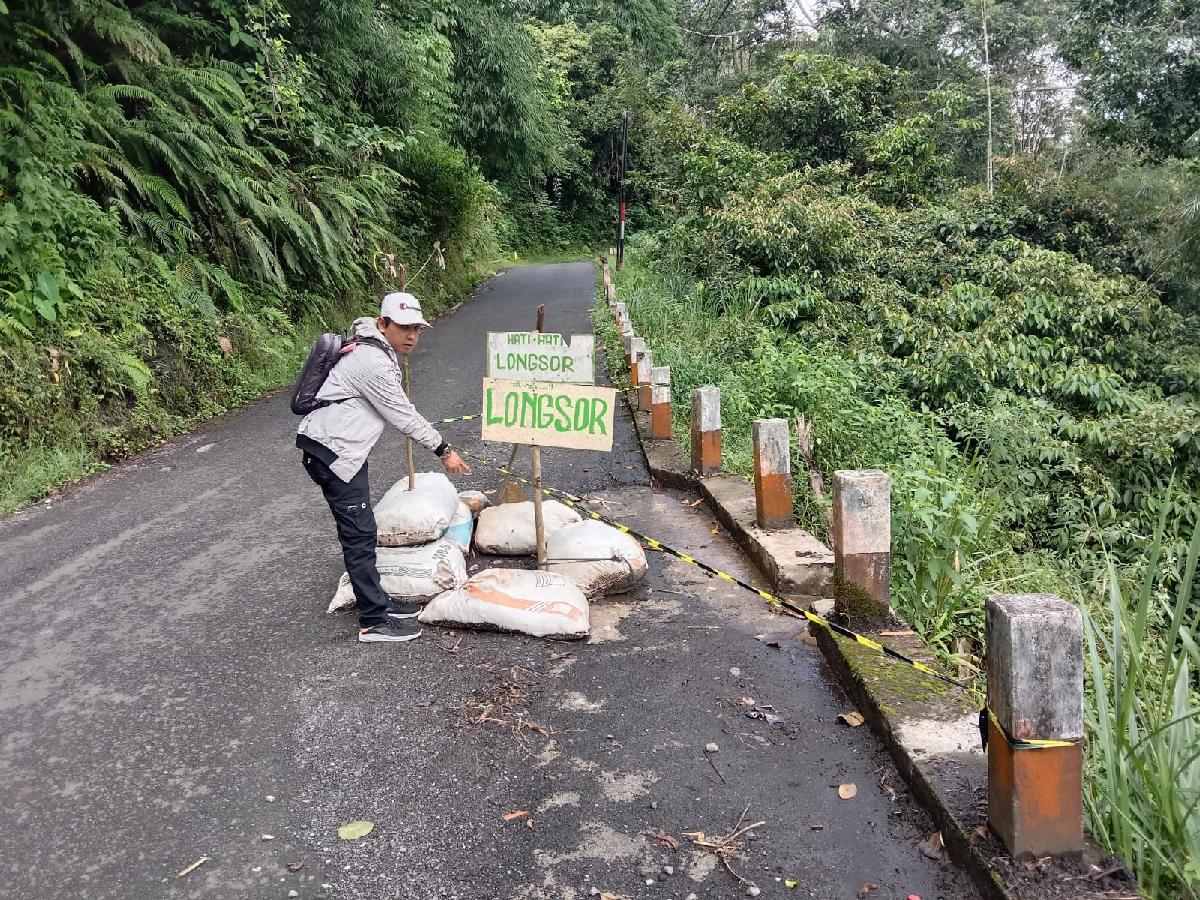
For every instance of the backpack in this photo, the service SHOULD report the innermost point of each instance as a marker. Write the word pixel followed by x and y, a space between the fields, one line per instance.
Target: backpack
pixel 324 355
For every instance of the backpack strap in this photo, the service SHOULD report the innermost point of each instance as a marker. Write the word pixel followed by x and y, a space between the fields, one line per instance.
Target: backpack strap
pixel 368 341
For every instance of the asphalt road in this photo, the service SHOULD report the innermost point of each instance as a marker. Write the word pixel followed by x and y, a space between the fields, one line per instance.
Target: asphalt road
pixel 171 690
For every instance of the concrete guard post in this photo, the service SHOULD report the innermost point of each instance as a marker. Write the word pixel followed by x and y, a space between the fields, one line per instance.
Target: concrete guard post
pixel 636 348
pixel 627 339
pixel 660 403
pixel 772 474
pixel 706 430
pixel 862 542
pixel 645 367
pixel 1035 693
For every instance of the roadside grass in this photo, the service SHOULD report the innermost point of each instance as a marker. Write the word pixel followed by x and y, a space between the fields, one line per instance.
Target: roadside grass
pixel 38 471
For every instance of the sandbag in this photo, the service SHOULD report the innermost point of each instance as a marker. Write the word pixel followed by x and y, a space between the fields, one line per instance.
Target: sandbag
pixel 461 527
pixel 410 572
pixel 615 562
pixel 404 518
pixel 477 500
pixel 542 604
pixel 508 530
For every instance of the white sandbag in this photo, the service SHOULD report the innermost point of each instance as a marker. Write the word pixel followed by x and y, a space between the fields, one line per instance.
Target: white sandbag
pixel 508 530
pixel 477 500
pixel 404 518
pixel 410 572
pixel 461 527
pixel 615 562
pixel 539 603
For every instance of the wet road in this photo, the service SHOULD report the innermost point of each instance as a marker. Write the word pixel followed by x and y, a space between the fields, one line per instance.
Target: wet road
pixel 171 690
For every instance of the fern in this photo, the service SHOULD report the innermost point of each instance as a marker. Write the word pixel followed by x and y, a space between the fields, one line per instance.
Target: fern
pixel 118 26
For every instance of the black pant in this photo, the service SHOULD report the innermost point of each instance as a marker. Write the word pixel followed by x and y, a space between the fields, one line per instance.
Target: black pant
pixel 350 503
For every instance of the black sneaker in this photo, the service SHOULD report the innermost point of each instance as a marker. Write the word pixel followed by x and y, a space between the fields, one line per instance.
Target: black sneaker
pixel 392 631
pixel 404 609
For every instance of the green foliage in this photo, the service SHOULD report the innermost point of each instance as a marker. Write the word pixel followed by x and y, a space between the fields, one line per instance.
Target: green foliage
pixel 1141 72
pixel 1022 364
pixel 176 174
pixel 800 113
pixel 502 116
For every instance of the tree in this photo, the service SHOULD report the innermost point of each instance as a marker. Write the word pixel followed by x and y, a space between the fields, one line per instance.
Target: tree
pixel 1141 71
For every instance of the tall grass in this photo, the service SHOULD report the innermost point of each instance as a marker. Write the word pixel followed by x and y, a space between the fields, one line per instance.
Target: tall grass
pixel 1143 784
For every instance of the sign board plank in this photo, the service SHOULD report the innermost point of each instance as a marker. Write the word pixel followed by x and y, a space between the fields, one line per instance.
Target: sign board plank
pixel 534 356
pixel 546 414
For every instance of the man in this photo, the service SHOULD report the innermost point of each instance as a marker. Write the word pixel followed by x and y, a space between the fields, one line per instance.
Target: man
pixel 364 392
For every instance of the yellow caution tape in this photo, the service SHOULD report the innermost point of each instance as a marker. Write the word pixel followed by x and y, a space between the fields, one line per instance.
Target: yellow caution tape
pixel 786 605
pixel 1028 743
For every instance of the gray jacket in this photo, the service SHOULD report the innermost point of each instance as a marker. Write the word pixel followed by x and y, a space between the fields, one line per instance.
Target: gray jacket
pixel 370 378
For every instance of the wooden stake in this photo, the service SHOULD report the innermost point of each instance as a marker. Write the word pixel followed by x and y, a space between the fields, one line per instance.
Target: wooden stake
pixel 408 442
pixel 539 524
pixel 402 280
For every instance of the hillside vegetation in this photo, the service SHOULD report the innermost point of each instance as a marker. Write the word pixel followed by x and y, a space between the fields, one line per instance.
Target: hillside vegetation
pixel 189 189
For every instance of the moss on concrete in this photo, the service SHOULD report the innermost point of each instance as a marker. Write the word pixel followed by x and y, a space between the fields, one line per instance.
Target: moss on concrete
pixel 895 686
pixel 855 603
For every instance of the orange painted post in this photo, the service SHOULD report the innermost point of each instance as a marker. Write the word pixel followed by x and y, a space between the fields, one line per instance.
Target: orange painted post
pixel 636 348
pixel 862 542
pixel 660 403
pixel 772 474
pixel 706 430
pixel 1035 693
pixel 645 368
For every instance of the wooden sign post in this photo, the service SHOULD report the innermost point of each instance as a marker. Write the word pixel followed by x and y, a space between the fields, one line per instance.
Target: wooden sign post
pixel 402 280
pixel 531 397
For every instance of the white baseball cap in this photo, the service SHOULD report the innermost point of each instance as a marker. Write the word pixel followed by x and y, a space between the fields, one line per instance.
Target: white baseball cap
pixel 403 309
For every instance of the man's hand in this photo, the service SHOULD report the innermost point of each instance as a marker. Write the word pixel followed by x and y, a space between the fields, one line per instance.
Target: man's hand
pixel 453 463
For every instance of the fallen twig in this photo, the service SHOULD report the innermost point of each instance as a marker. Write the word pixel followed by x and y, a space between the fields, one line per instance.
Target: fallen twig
pixel 725 846
pixel 504 706
pixel 663 838
pixel 715 769
pixel 193 867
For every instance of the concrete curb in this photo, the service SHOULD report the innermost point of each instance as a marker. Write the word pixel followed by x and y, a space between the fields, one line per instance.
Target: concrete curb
pixel 930 728
pixel 798 565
